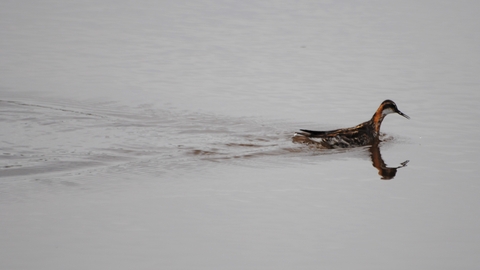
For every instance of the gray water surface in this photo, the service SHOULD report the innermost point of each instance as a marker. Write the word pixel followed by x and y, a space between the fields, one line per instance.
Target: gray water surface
pixel 157 135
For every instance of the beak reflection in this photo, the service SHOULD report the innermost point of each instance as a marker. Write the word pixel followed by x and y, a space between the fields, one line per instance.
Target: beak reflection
pixel 387 173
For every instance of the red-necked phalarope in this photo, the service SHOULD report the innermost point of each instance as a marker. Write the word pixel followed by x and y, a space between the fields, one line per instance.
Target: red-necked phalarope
pixel 360 135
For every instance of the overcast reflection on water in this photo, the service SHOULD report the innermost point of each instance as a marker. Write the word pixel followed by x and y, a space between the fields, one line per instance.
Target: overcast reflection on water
pixel 158 134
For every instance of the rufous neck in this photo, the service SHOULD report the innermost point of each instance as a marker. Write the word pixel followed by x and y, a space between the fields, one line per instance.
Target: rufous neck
pixel 377 119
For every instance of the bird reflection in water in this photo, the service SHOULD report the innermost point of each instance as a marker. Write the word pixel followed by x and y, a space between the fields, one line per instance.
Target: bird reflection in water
pixel 387 173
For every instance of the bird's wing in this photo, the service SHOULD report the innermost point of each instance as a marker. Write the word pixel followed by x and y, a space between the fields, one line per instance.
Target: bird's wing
pixel 320 134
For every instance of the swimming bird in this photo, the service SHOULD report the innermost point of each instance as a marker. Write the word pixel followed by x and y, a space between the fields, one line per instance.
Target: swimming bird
pixel 360 135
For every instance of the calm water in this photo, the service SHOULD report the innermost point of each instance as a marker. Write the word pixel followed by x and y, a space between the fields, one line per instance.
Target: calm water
pixel 157 135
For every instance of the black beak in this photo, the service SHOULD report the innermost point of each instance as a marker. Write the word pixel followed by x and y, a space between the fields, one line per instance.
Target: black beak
pixel 402 114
